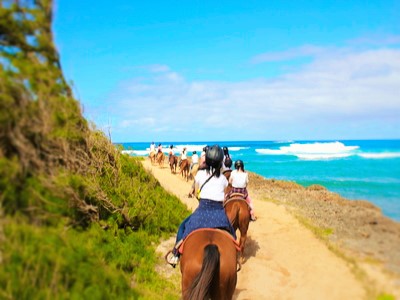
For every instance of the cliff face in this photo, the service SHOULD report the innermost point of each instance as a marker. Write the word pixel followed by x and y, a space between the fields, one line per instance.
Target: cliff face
pixel 42 128
pixel 53 163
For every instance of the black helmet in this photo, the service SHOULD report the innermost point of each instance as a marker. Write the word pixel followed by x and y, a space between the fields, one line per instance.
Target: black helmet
pixel 214 156
pixel 239 164
pixel 226 152
pixel 194 152
pixel 228 162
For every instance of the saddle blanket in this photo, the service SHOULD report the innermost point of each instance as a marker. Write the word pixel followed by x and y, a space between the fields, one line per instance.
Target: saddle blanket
pixel 209 214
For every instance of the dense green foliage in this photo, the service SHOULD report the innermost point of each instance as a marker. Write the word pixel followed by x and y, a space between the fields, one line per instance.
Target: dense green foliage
pixel 78 220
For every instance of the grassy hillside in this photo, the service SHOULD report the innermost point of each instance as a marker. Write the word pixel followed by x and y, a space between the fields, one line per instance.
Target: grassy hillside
pixel 78 220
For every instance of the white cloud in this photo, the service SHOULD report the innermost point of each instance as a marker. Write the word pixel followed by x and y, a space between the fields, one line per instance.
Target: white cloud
pixel 158 68
pixel 341 94
pixel 303 51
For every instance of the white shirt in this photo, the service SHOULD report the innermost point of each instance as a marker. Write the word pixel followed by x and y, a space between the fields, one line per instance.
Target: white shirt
pixel 195 159
pixel 183 155
pixel 239 179
pixel 152 147
pixel 214 189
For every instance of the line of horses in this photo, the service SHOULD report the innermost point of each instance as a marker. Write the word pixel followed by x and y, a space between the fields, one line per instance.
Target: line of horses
pixel 209 269
pixel 184 166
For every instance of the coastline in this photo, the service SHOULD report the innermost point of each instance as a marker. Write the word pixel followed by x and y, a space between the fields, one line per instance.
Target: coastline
pixel 356 229
pixel 355 169
pixel 311 239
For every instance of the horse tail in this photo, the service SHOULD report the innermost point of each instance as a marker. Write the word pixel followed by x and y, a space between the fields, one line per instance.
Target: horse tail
pixel 202 284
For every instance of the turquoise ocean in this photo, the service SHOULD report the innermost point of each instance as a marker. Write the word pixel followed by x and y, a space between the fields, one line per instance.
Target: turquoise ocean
pixel 355 169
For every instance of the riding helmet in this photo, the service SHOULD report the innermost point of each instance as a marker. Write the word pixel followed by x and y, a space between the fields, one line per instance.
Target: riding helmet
pixel 226 152
pixel 214 156
pixel 239 164
pixel 228 162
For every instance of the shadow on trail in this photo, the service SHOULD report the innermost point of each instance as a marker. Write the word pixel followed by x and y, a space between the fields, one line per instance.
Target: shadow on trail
pixel 251 248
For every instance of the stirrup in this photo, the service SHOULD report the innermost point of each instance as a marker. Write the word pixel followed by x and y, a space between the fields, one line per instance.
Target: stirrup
pixel 171 259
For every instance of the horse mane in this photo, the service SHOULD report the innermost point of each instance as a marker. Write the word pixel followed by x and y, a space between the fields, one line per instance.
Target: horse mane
pixel 202 283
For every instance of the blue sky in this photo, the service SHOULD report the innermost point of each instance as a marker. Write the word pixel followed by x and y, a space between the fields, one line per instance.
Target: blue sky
pixel 234 70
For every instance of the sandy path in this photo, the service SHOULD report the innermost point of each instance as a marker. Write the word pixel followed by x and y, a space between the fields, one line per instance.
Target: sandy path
pixel 284 260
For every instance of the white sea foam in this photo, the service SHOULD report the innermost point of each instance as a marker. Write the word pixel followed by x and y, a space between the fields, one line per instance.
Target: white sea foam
pixel 136 152
pixel 128 152
pixel 271 151
pixel 189 148
pixel 380 155
pixel 313 151
pixel 321 156
pixel 237 148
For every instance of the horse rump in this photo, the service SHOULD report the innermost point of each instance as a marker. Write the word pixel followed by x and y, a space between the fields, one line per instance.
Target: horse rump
pixel 202 284
pixel 208 265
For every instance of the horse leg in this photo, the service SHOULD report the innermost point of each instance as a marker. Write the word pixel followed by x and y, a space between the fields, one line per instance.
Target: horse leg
pixel 244 220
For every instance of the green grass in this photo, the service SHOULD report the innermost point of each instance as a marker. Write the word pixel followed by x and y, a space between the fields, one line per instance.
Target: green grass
pixel 59 263
pixel 78 220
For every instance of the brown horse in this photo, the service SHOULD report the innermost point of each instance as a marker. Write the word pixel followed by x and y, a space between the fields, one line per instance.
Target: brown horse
pixel 193 171
pixel 160 159
pixel 227 174
pixel 185 169
pixel 208 265
pixel 238 212
pixel 173 161
pixel 152 157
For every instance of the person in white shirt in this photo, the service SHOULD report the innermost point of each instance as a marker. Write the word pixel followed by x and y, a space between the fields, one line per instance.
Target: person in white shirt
pixel 195 160
pixel 239 180
pixel 171 151
pixel 202 162
pixel 152 152
pixel 226 163
pixel 210 213
pixel 183 156
pixel 152 147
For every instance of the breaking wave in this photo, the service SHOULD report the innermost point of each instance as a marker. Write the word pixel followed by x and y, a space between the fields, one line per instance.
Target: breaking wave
pixel 313 151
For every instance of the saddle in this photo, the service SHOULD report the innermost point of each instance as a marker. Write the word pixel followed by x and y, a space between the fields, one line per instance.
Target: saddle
pixel 235 196
pixel 227 171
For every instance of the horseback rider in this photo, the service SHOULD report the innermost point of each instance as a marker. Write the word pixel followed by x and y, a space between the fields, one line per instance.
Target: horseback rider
pixel 210 213
pixel 171 152
pixel 239 180
pixel 152 147
pixel 202 161
pixel 183 156
pixel 195 160
pixel 227 162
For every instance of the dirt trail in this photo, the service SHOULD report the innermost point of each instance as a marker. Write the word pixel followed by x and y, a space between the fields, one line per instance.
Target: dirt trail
pixel 284 260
